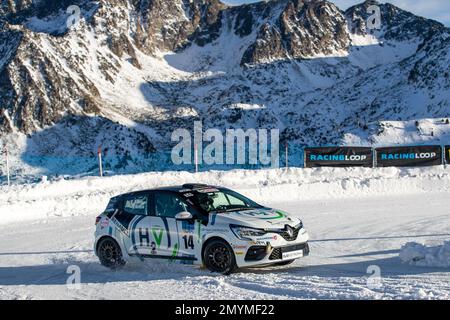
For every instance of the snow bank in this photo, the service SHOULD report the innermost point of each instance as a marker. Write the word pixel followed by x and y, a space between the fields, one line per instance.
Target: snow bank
pixel 419 255
pixel 90 195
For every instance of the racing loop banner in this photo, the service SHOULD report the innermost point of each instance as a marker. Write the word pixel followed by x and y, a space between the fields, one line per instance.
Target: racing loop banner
pixel 417 156
pixel 338 157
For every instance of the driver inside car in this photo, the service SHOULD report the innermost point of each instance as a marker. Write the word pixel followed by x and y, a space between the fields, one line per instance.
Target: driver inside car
pixel 168 206
pixel 206 202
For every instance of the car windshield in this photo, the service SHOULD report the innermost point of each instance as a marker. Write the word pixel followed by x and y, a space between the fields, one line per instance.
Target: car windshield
pixel 220 201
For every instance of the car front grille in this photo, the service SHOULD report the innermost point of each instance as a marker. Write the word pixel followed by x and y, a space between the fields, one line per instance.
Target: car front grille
pixel 277 253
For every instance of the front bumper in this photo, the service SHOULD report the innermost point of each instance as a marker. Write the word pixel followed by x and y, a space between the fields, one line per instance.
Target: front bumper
pixel 258 253
pixel 273 251
pixel 290 252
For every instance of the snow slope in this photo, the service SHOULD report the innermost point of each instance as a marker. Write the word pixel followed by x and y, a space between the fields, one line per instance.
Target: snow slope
pixel 358 220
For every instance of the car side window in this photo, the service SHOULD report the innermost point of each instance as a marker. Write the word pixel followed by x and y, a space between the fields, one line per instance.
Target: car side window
pixel 136 205
pixel 169 205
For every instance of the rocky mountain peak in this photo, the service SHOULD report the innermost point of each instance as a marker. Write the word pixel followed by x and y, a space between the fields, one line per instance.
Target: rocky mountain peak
pixel 133 70
pixel 396 24
pixel 170 25
pixel 301 29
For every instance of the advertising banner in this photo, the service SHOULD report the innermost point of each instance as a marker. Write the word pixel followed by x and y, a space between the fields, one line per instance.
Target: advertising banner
pixel 338 157
pixel 416 156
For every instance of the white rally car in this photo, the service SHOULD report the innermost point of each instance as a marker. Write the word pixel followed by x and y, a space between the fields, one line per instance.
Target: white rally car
pixel 197 224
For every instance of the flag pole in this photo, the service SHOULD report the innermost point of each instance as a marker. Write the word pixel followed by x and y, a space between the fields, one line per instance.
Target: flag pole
pixel 100 162
pixel 287 156
pixel 196 158
pixel 7 165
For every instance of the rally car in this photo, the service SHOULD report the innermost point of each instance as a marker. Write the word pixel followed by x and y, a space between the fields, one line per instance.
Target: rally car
pixel 197 224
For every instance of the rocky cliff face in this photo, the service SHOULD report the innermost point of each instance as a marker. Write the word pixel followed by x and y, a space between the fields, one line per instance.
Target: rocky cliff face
pixel 42 78
pixel 303 29
pixel 150 66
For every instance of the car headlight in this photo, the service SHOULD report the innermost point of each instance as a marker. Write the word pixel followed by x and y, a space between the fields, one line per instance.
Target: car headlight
pixel 244 233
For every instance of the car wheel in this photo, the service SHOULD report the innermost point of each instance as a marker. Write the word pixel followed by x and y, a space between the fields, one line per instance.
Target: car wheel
pixel 285 263
pixel 110 254
pixel 219 257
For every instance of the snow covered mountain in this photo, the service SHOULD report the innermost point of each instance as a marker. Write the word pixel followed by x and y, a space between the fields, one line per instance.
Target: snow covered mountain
pixel 131 71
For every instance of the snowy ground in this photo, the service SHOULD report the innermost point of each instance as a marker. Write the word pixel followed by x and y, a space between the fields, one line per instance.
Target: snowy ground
pixel 357 225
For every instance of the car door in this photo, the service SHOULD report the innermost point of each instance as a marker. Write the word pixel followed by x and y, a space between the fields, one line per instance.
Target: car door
pixel 189 235
pixel 163 225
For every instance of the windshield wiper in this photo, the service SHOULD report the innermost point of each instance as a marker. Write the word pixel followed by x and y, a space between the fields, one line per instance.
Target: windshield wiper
pixel 246 208
pixel 235 209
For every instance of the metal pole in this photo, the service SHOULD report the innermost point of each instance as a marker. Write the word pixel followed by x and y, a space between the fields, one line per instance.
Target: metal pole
pixel 444 155
pixel 287 156
pixel 196 157
pixel 375 158
pixel 304 157
pixel 7 165
pixel 100 162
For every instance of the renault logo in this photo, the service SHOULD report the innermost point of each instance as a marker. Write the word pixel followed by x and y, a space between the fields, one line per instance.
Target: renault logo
pixel 290 231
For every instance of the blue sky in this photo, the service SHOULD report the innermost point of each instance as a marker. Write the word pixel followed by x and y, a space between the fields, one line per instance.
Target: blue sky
pixel 435 9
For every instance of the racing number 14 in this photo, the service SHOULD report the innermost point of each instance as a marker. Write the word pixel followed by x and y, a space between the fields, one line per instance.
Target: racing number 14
pixel 189 242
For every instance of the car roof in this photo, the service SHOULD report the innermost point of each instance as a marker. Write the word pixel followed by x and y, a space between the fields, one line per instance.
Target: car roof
pixel 185 187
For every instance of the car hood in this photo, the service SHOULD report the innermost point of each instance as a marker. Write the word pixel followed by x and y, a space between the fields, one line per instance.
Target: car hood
pixel 264 218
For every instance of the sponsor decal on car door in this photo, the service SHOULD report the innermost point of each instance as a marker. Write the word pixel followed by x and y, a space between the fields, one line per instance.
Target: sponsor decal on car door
pixel 158 238
pixel 163 229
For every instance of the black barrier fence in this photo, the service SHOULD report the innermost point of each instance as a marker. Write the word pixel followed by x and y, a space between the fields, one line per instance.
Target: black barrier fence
pixel 338 157
pixel 447 154
pixel 415 156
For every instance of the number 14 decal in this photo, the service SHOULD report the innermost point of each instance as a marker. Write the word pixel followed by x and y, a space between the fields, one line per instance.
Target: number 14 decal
pixel 188 242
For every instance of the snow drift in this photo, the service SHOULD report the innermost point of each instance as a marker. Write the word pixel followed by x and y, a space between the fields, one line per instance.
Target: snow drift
pixel 420 255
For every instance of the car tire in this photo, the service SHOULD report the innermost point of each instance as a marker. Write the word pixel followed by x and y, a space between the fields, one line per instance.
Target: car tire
pixel 285 263
pixel 219 257
pixel 110 254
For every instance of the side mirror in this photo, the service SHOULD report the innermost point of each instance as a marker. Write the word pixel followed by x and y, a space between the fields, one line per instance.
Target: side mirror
pixel 184 216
